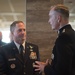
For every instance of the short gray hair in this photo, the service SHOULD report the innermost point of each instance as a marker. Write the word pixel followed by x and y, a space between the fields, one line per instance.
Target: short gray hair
pixel 13 25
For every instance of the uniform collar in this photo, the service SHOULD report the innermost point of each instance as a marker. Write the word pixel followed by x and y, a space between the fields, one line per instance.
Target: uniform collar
pixel 63 29
pixel 18 45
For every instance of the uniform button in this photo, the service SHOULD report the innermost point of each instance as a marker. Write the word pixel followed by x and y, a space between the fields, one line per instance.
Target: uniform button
pixel 24 73
pixel 24 65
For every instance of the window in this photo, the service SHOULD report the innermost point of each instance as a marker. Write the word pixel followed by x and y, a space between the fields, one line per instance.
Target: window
pixel 5 36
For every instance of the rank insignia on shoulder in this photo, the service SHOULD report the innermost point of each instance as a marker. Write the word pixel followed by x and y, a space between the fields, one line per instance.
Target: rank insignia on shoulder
pixel 63 31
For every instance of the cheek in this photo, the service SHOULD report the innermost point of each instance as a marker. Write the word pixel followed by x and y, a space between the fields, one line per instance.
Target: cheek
pixel 52 20
pixel 54 23
pixel 15 34
pixel 25 32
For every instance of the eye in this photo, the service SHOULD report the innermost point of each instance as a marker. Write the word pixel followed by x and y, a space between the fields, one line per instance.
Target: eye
pixel 24 29
pixel 20 30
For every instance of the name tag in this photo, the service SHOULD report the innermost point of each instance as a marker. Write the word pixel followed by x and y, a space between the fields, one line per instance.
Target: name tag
pixel 12 59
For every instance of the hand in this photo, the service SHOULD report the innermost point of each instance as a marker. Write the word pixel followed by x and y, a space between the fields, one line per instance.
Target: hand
pixel 40 65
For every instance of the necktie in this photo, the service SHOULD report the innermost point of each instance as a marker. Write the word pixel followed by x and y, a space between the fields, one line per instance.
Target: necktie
pixel 21 50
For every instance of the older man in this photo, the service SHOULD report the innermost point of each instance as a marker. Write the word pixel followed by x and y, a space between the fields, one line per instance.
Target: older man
pixel 63 54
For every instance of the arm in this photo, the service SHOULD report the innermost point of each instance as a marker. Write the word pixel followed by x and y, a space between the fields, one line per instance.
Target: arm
pixel 40 66
pixel 2 65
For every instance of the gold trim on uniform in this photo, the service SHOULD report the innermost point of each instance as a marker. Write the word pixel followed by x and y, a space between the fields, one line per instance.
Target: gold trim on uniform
pixel 30 47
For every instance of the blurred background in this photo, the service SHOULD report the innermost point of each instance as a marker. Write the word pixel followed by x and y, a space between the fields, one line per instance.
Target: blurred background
pixel 38 29
pixel 11 10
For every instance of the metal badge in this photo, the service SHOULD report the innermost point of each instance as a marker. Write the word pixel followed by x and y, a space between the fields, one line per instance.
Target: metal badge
pixel 33 55
pixel 12 66
pixel 52 56
pixel 63 31
pixel 31 48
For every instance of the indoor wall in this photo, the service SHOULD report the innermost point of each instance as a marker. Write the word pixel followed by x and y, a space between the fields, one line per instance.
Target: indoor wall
pixel 39 31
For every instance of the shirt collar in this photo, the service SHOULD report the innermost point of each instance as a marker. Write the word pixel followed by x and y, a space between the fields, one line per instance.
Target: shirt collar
pixel 18 45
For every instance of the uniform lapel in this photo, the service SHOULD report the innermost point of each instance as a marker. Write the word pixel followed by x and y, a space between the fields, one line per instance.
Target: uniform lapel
pixel 16 52
pixel 27 52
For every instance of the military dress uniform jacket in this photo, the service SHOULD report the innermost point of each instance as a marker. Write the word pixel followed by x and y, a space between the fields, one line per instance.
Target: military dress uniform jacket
pixel 2 43
pixel 11 62
pixel 63 53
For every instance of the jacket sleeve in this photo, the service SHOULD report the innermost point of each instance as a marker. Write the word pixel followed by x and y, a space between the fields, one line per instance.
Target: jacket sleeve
pixel 2 64
pixel 38 59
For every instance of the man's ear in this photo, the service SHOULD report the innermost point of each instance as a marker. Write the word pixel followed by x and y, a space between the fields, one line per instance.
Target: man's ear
pixel 59 18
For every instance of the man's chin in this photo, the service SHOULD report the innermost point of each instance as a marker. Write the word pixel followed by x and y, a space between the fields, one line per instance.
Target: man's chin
pixel 22 41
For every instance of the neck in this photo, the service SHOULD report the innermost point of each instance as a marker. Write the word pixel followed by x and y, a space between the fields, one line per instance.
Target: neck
pixel 63 23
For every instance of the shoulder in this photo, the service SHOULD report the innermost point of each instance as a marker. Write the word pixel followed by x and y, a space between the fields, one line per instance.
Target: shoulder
pixel 4 43
pixel 31 46
pixel 7 46
pixel 7 49
pixel 67 34
pixel 67 31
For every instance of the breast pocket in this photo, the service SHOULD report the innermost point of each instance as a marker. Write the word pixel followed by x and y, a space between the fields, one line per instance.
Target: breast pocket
pixel 12 63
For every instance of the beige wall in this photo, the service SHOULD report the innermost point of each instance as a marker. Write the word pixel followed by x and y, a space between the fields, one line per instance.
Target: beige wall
pixel 39 31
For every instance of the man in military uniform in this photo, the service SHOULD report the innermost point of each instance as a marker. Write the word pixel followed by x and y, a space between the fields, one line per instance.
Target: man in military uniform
pixel 18 57
pixel 63 53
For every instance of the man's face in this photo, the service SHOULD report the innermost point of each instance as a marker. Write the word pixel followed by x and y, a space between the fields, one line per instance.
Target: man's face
pixel 53 20
pixel 19 34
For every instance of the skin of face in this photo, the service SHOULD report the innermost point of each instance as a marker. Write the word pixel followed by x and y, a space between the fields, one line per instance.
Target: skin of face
pixel 54 19
pixel 19 34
